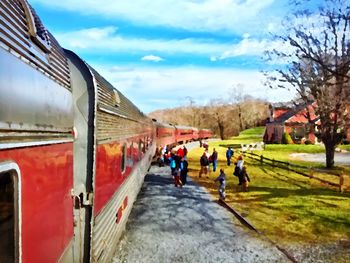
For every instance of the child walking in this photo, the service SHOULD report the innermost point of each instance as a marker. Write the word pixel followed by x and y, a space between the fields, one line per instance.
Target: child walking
pixel 222 180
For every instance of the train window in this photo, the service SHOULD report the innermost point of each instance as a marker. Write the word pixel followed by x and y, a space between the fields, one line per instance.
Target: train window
pixel 116 98
pixel 140 145
pixel 124 155
pixel 37 31
pixel 131 150
pixel 8 217
pixel 144 145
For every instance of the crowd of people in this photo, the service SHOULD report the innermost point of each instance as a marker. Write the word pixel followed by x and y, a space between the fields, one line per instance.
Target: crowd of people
pixel 177 160
pixel 206 160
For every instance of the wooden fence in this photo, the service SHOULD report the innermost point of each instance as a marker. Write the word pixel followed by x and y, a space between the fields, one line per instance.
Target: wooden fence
pixel 309 172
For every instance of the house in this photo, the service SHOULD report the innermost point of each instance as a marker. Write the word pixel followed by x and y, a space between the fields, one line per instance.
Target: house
pixel 297 120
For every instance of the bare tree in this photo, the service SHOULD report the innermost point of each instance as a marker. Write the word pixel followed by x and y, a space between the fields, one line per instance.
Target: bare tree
pixel 319 65
pixel 236 98
pixel 218 112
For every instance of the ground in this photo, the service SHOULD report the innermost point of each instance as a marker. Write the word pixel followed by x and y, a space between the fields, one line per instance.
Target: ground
pixel 170 224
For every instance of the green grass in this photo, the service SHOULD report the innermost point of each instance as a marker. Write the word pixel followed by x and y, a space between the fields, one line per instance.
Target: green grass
pixel 287 207
pixel 345 147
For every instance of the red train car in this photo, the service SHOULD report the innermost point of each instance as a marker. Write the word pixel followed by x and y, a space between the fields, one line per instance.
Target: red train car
pixel 64 196
pixel 165 134
pixel 183 134
pixel 36 142
pixel 205 134
pixel 114 147
pixel 73 149
pixel 195 134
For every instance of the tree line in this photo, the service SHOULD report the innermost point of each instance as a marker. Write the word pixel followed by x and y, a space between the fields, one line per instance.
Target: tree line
pixel 226 118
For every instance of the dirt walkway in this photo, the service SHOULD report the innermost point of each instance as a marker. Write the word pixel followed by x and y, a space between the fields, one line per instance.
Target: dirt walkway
pixel 169 224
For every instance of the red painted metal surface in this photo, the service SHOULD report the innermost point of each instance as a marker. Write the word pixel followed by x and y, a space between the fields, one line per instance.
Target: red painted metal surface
pixel 195 133
pixel 47 220
pixel 109 175
pixel 183 134
pixel 165 136
pixel 205 133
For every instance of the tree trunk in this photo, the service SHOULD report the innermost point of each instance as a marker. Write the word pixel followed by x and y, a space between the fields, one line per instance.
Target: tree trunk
pixel 221 130
pixel 330 149
pixel 240 118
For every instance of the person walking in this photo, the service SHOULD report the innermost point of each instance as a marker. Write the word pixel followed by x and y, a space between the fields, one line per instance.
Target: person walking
pixel 229 154
pixel 214 159
pixel 180 152
pixel 238 169
pixel 172 161
pixel 204 165
pixel 208 157
pixel 222 180
pixel 176 176
pixel 184 170
pixel 185 152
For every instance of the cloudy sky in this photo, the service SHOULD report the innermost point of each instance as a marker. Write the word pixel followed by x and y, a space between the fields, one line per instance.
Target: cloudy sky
pixel 160 52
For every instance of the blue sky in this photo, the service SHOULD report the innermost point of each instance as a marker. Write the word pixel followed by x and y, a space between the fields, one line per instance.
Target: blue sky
pixel 159 52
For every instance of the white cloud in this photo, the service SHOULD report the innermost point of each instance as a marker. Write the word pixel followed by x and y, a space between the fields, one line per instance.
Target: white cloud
pixel 152 58
pixel 107 39
pixel 153 88
pixel 205 15
pixel 250 47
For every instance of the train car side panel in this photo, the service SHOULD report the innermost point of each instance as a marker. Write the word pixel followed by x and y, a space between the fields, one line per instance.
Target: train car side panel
pixel 111 219
pixel 165 134
pixel 47 222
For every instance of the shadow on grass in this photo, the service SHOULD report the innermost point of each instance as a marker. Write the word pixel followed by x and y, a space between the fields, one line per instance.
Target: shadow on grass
pixel 271 193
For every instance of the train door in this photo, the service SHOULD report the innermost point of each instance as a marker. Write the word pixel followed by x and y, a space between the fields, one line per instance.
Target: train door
pixel 84 156
pixel 10 241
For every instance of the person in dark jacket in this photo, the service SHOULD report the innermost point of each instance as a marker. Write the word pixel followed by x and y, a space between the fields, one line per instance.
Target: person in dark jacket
pixel 204 165
pixel 229 154
pixel 184 170
pixel 239 169
pixel 214 159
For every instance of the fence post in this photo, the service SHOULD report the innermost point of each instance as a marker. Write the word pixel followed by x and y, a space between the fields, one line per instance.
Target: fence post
pixel 261 159
pixel 273 162
pixel 341 181
pixel 312 171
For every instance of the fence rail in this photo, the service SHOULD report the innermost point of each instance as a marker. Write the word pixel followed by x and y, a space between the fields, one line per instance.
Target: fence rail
pixel 310 171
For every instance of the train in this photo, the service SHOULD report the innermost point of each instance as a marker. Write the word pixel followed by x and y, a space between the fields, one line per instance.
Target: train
pixel 73 149
pixel 171 135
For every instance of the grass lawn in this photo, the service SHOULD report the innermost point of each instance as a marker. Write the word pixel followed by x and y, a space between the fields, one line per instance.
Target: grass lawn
pixel 287 207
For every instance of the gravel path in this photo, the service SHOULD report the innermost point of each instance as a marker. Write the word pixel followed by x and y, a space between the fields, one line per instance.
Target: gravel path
pixel 169 224
pixel 339 158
